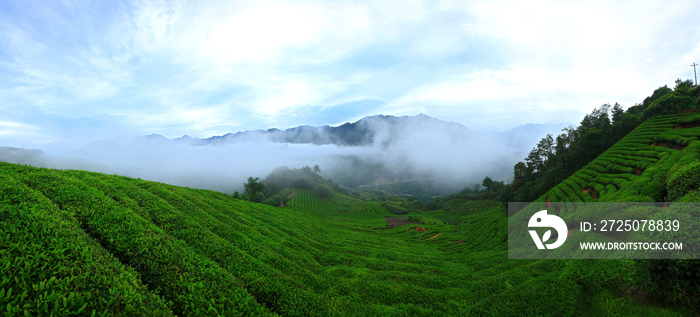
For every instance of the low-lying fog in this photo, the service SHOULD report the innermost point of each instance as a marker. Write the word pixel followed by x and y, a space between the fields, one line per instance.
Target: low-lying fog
pixel 453 155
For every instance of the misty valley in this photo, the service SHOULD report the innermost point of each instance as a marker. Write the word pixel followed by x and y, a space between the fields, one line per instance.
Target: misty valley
pixel 416 155
pixel 386 216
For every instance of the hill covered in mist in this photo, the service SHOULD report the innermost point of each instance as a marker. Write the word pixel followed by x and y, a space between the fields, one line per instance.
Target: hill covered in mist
pixel 421 153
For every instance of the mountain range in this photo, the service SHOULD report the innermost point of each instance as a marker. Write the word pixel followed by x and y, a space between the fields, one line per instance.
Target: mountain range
pixel 366 130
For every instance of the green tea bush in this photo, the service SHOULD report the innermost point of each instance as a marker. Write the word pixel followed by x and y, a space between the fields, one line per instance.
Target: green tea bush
pixel 689 155
pixel 596 274
pixel 548 295
pixel 598 187
pixel 618 169
pixel 689 120
pixel 190 281
pixel 580 182
pixel 673 281
pixel 684 180
pixel 586 177
pixel 596 167
pixel 49 266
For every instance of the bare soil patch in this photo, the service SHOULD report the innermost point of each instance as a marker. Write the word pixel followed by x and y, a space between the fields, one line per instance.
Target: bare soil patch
pixel 591 192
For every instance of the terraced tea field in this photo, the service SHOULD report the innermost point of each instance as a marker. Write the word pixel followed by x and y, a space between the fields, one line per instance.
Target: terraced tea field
pixel 645 155
pixel 85 243
pixel 337 204
pixel 478 204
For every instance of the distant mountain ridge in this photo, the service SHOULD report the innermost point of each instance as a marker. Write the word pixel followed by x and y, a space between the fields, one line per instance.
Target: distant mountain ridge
pixel 361 132
pixel 365 132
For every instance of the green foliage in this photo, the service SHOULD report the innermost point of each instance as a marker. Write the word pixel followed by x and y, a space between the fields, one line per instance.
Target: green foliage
pixel 658 93
pixel 282 181
pixel 337 203
pixel 689 120
pixel 597 274
pixel 49 266
pixel 395 209
pixel 413 219
pixel 670 104
pixel 673 281
pixel 322 191
pixel 686 179
pixel 303 183
pixel 555 297
pixel 683 85
pixel 254 190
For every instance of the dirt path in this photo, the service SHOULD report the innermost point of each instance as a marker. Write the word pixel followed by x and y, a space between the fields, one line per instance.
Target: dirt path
pixel 433 237
pixel 289 198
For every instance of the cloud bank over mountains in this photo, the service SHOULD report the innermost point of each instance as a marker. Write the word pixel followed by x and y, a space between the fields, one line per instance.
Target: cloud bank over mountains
pixel 404 147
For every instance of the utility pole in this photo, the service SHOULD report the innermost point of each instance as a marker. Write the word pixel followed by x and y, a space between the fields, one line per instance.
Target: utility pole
pixel 694 73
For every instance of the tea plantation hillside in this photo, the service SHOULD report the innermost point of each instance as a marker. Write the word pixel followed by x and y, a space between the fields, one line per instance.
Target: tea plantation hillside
pixel 85 243
pixel 658 161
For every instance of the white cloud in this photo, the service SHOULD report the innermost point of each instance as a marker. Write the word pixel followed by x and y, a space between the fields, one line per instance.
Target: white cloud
pixel 156 64
pixel 260 32
pixel 10 130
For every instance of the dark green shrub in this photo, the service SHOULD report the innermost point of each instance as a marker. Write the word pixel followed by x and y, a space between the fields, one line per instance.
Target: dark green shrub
pixel 670 104
pixel 673 281
pixel 323 191
pixel 304 183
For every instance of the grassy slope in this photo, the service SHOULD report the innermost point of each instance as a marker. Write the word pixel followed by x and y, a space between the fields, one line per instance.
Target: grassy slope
pixel 86 242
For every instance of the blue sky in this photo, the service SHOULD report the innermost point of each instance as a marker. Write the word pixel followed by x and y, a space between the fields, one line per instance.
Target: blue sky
pixel 76 71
